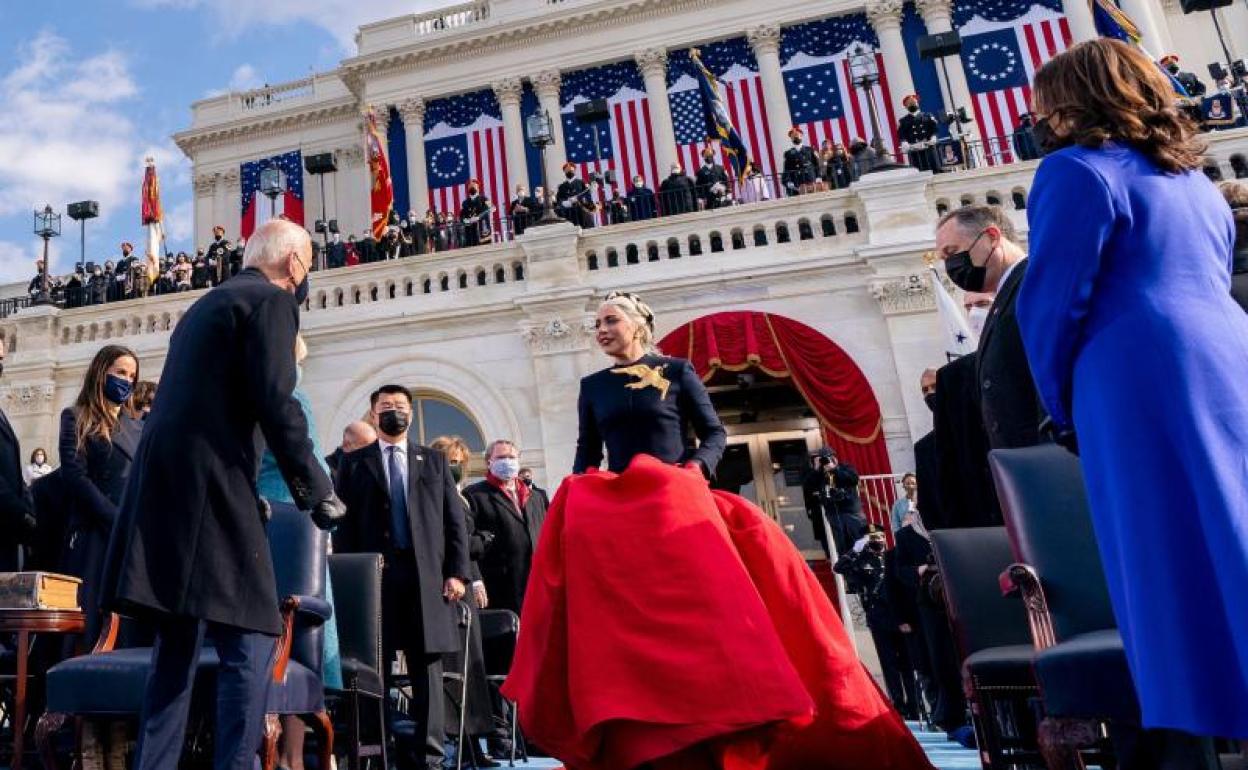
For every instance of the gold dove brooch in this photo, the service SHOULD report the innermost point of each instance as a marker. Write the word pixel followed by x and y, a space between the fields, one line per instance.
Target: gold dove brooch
pixel 647 376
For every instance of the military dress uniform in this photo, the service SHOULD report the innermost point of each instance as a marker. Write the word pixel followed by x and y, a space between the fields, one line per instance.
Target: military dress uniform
pixel 919 128
pixel 801 166
pixel 474 214
pixel 218 257
pixel 575 204
pixel 706 179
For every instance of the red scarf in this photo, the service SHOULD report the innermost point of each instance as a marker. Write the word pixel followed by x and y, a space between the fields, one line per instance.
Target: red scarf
pixel 519 490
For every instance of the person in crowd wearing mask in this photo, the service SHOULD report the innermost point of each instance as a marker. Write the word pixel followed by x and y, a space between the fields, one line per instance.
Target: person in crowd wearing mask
pixel 97 285
pixel 96 447
pixel 711 182
pixel 38 467
pixel 977 304
pixel 927 459
pixel 676 193
pixel 219 252
pixel 236 256
pixel 182 273
pixel 801 165
pixel 1193 85
pixel 357 435
pixel 1025 139
pixel 35 287
pixel 867 569
pixel 189 552
pixel 526 478
pixel 119 286
pixel 475 213
pixel 575 199
pixel 907 502
pixel 980 248
pixel 754 186
pixel 838 169
pixel 448 232
pixel 509 515
pixel 641 201
pixel 74 288
pixel 523 209
pixel 336 252
pixel 1236 195
pixel 200 275
pixel 404 504
pixel 617 209
pixel 1137 348
pixel 835 486
pixel 917 132
pixel 17 514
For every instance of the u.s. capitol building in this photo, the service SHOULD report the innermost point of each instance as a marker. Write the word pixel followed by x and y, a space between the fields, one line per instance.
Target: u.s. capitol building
pixel 812 315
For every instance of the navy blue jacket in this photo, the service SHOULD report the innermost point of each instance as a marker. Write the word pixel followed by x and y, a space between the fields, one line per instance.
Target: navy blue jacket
pixel 630 416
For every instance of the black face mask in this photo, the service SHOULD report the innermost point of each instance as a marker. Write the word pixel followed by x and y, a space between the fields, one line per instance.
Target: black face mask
pixel 930 400
pixel 1046 140
pixel 1173 68
pixel 528 483
pixel 797 141
pixel 913 108
pixel 457 472
pixel 964 273
pixel 876 545
pixel 569 174
pixel 393 422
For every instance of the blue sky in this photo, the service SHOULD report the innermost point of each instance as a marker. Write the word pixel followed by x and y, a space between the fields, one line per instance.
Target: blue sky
pixel 91 87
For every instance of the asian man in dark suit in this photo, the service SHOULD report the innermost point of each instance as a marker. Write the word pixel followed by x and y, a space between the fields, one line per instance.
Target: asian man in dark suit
pixel 402 503
pixel 980 247
pixel 17 520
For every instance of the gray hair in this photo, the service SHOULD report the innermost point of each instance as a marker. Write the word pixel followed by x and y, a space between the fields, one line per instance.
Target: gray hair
pixel 489 450
pixel 274 241
pixel 974 218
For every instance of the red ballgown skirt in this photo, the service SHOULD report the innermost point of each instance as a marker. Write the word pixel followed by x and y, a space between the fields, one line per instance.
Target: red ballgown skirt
pixel 670 625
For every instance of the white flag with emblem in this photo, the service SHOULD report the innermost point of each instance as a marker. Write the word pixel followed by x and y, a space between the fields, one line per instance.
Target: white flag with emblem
pixel 959 338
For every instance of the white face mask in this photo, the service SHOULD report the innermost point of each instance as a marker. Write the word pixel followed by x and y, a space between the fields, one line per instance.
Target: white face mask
pixel 977 317
pixel 505 468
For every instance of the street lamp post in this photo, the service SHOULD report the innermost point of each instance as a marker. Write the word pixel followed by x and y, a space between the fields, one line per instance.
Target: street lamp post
pixel 541 134
pixel 272 184
pixel 865 73
pixel 47 227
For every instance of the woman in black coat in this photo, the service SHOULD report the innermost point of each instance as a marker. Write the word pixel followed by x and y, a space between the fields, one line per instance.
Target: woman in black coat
pixel 97 442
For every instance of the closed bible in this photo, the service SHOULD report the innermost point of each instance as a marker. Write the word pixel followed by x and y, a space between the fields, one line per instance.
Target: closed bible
pixel 38 591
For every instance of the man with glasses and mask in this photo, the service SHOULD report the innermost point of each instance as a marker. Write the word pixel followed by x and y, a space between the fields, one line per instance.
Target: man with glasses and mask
pixel 189 551
pixel 981 253
pixel 403 503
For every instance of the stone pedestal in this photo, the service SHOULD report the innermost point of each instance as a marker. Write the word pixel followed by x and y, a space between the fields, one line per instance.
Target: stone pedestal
pixel 896 206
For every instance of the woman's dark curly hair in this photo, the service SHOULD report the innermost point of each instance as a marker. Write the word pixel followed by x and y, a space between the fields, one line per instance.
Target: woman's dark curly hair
pixel 1105 90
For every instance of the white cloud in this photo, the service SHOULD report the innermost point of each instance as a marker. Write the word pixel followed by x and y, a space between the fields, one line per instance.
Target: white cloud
pixel 340 18
pixel 180 223
pixel 245 77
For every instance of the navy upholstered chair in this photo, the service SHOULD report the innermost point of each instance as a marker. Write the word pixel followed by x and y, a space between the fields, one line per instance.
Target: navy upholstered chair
pixel 1080 663
pixel 993 639
pixel 109 683
pixel 358 576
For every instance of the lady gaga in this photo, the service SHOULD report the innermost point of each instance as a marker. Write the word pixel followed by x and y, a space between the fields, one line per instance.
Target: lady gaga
pixel 669 626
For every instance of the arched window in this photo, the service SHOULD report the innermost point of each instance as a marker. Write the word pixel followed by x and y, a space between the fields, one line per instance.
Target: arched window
pixel 437 414
pixel 804 233
pixel 652 251
pixel 444 282
pixel 1020 200
pixel 782 232
pixel 517 271
pixel 851 223
pixel 828 224
pixel 630 254
pixel 500 275
pixel 760 236
pixel 695 246
pixel 481 277
pixel 591 261
pixel 613 258
pixel 673 248
pixel 717 243
pixel 463 280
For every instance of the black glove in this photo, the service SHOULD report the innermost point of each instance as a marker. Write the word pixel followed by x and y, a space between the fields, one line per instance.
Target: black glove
pixel 327 513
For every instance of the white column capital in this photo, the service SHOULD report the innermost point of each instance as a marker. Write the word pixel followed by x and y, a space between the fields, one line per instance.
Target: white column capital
pixel 934 12
pixel 764 38
pixel 652 62
pixel 547 83
pixel 508 90
pixel 231 180
pixel 885 14
pixel 205 184
pixel 412 110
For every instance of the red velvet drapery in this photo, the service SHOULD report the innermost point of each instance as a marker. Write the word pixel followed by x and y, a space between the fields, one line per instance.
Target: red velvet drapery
pixel 825 375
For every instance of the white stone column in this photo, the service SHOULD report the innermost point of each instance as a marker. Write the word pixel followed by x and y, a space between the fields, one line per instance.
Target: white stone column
pixel 1148 16
pixel 885 17
pixel 653 65
pixel 1079 16
pixel 413 113
pixel 546 84
pixel 218 210
pixel 351 200
pixel 938 16
pixel 205 200
pixel 229 194
pixel 765 40
pixel 508 93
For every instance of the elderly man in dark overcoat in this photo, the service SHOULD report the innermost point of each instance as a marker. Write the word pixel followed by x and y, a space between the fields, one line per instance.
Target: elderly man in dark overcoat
pixel 189 552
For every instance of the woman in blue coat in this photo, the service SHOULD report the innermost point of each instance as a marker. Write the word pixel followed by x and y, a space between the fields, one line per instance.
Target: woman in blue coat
pixel 1136 344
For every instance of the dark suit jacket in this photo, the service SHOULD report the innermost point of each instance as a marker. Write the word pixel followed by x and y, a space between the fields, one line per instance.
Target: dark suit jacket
pixel 190 538
pixel 15 503
pixel 93 481
pixel 507 557
pixel 1007 394
pixel 438 530
pixel 968 498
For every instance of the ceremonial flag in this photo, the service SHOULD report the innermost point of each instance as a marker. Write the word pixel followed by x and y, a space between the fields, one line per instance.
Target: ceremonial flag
pixel 717 121
pixel 959 338
pixel 735 70
pixel 823 100
pixel 1002 47
pixel 153 218
pixel 381 188
pixel 625 142
pixel 256 210
pixel 465 139
pixel 1112 21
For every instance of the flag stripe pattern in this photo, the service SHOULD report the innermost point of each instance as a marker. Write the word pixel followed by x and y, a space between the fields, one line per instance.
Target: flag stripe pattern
pixel 255 210
pixel 465 140
pixel 1004 42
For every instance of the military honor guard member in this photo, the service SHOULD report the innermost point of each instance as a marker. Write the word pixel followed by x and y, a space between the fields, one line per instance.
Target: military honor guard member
pixel 801 165
pixel 575 199
pixel 1192 84
pixel 475 213
pixel 917 131
pixel 219 253
pixel 711 182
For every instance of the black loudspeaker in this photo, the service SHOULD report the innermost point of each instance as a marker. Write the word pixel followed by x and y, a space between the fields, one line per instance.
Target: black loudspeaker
pixel 943 44
pixel 83 210
pixel 1192 6
pixel 592 112
pixel 322 163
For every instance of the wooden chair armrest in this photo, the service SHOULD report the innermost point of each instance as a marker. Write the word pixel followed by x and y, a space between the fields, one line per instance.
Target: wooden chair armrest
pixel 1022 579
pixel 107 639
pixel 290 606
